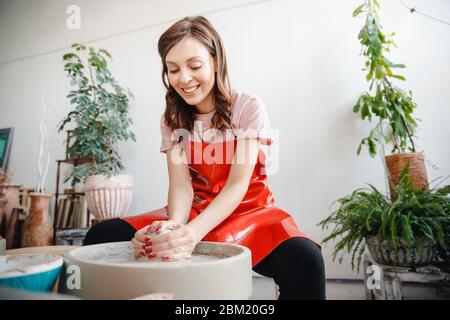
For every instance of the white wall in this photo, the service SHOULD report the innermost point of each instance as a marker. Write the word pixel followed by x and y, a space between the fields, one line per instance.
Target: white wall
pixel 301 57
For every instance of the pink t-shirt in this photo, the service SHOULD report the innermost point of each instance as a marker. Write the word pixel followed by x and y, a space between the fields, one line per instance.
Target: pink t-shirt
pixel 248 117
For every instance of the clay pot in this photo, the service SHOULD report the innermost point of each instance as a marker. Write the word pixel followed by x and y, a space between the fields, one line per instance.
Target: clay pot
pixel 108 197
pixel 417 171
pixel 3 223
pixel 12 194
pixel 38 228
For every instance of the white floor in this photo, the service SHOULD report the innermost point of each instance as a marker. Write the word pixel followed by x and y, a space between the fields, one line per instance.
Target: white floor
pixel 264 289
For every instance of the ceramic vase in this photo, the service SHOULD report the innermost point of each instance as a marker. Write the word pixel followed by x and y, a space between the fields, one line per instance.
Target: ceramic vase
pixel 38 228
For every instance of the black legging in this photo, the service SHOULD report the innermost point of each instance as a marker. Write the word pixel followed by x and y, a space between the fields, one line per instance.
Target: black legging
pixel 296 265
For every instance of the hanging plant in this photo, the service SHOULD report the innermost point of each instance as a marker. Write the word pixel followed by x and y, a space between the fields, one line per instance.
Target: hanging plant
pixel 390 105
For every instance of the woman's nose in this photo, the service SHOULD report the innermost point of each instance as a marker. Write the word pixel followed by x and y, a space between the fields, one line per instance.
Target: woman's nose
pixel 185 77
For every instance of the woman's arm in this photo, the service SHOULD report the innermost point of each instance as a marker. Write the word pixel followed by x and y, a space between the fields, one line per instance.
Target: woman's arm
pixel 179 200
pixel 181 193
pixel 232 193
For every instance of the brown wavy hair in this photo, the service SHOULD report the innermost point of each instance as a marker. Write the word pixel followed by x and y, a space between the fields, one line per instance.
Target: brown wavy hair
pixel 178 114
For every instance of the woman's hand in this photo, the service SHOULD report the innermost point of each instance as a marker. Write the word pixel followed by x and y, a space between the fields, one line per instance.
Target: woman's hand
pixel 174 245
pixel 143 237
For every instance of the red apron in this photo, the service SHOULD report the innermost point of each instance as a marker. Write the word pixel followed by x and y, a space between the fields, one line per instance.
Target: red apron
pixel 256 223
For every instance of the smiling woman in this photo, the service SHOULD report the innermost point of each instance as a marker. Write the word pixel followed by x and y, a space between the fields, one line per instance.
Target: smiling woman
pixel 215 195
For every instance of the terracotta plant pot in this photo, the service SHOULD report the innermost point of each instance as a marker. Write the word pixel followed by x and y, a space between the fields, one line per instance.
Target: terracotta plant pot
pixel 417 171
pixel 382 253
pixel 38 227
pixel 108 198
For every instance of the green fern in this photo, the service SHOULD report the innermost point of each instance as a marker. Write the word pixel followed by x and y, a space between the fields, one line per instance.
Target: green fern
pixel 415 215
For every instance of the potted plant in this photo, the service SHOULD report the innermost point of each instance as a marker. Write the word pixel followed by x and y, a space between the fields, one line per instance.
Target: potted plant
pixel 101 121
pixel 389 104
pixel 404 232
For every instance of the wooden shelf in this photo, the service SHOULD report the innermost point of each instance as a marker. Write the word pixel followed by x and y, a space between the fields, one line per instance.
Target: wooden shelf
pixel 58 194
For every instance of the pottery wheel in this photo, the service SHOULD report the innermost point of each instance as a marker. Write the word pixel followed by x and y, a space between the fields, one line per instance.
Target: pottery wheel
pixel 110 271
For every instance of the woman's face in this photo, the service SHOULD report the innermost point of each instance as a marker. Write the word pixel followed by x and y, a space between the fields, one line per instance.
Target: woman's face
pixel 191 71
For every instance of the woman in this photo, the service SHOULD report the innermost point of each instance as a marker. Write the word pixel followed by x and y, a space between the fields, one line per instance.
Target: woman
pixel 218 188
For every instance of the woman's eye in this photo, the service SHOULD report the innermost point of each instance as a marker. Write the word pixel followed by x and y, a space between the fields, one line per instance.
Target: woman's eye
pixel 176 70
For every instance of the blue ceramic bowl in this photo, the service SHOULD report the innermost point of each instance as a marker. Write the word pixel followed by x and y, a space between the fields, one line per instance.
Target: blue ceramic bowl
pixel 32 272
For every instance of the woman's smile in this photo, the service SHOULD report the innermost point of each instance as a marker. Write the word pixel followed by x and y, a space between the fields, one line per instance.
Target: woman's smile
pixel 189 91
